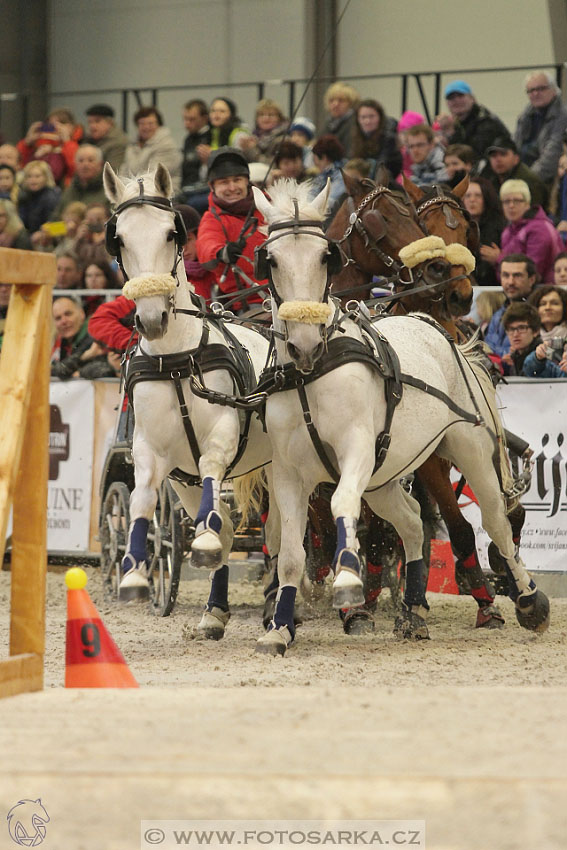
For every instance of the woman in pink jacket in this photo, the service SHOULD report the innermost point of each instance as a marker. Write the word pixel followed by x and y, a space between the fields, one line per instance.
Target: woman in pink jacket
pixel 528 231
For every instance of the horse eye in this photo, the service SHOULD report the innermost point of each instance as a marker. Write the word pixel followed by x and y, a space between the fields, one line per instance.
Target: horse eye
pixel 273 263
pixel 171 236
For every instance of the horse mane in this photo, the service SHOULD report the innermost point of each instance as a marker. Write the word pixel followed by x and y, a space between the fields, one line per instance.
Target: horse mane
pixel 282 195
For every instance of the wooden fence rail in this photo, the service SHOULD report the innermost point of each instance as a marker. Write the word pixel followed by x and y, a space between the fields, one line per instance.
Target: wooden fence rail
pixel 24 436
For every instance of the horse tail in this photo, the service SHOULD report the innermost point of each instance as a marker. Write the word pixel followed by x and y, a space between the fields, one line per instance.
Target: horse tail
pixel 248 493
pixel 475 357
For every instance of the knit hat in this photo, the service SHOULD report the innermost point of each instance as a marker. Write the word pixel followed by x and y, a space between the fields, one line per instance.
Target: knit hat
pixel 100 109
pixel 410 119
pixel 190 216
pixel 303 125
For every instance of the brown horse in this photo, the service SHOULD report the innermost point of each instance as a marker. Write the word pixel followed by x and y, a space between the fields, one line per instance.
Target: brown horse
pixel 440 213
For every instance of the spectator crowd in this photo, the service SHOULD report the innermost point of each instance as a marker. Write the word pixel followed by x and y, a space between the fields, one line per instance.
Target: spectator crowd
pixel 52 199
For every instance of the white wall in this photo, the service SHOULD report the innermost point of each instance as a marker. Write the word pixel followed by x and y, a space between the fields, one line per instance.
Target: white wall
pixel 98 44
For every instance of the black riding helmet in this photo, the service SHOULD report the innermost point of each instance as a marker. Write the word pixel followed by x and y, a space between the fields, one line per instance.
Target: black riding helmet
pixel 226 162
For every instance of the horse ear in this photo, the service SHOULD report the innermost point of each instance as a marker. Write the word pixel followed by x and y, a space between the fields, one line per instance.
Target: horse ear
pixel 261 203
pixel 113 185
pixel 352 184
pixel 461 187
pixel 162 181
pixel 415 193
pixel 383 176
pixel 320 202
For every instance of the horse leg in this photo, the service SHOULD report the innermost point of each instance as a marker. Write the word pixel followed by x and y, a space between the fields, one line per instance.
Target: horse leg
pixel 532 605
pixel 217 452
pixel 217 613
pixel 149 473
pixel 292 501
pixel 468 571
pixel 397 507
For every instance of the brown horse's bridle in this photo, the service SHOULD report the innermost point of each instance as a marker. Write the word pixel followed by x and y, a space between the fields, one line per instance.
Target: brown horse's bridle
pixel 370 241
pixel 447 204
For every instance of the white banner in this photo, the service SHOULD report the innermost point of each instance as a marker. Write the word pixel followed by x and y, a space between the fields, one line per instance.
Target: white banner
pixel 537 411
pixel 71 436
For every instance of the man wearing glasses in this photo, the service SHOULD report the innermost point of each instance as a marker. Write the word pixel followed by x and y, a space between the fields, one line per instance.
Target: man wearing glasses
pixel 518 277
pixel 522 324
pixel 541 125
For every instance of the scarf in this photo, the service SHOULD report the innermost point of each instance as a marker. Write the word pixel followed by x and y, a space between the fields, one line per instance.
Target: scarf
pixel 194 270
pixel 238 208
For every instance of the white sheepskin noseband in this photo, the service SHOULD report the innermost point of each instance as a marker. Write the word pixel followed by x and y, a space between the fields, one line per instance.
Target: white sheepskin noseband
pixel 421 250
pixel 308 312
pixel 146 285
pixel 459 255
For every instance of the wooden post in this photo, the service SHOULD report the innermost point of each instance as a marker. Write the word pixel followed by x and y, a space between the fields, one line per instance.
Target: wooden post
pixel 24 435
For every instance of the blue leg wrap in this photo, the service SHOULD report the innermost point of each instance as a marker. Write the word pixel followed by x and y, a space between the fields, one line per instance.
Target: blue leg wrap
pixel 136 544
pixel 415 584
pixel 285 604
pixel 347 545
pixel 208 516
pixel 218 597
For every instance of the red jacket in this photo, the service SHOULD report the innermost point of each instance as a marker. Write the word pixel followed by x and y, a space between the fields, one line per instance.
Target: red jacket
pixel 68 149
pixel 111 324
pixel 218 227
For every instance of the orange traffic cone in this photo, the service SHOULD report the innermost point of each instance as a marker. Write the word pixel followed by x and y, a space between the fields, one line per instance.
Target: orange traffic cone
pixel 92 659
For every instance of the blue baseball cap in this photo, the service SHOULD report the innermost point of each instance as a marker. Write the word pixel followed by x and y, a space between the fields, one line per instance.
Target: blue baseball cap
pixel 457 87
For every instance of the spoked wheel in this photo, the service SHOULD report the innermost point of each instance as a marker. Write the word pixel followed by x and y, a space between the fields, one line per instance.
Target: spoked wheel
pixel 113 533
pixel 165 551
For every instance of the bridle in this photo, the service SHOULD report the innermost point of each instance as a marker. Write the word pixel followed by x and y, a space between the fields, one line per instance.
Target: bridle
pixel 371 240
pixel 179 235
pixel 296 225
pixel 447 204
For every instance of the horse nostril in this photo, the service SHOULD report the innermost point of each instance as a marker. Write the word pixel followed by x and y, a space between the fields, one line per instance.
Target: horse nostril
pixel 164 320
pixel 139 325
pixel 318 351
pixel 293 351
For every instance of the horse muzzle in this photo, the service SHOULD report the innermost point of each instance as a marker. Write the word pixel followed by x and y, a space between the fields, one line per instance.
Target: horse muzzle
pixel 436 272
pixel 152 329
pixel 305 360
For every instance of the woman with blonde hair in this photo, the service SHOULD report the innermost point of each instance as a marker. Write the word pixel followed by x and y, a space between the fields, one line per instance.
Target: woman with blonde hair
pixel 528 231
pixel 12 231
pixel 270 128
pixel 38 196
pixel 340 101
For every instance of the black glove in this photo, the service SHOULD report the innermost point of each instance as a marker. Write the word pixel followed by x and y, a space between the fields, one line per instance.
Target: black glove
pixel 231 251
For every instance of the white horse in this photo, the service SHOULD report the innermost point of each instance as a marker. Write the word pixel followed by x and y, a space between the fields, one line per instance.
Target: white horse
pixel 326 416
pixel 175 429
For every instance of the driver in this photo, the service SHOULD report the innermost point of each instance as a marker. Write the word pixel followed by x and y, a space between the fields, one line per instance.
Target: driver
pixel 229 230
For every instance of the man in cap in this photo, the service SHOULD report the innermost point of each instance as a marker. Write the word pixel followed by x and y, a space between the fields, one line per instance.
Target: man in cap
pixel 229 230
pixel 540 128
pixel 504 164
pixel 104 134
pixel 469 123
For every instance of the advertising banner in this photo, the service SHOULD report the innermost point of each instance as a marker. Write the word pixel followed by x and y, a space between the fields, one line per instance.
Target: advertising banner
pixel 537 411
pixel 71 436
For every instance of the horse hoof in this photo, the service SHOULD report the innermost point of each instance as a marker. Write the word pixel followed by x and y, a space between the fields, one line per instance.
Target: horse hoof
pixel 274 642
pixel 348 590
pixel 358 621
pixel 489 618
pixel 209 558
pixel 410 626
pixel 213 623
pixel 532 612
pixel 134 587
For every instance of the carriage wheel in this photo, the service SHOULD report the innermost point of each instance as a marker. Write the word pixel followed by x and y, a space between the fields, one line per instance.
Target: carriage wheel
pixel 165 551
pixel 113 534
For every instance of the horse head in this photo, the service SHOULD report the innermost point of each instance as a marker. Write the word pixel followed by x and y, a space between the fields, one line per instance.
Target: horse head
pixel 372 226
pixel 441 213
pixel 147 236
pixel 298 260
